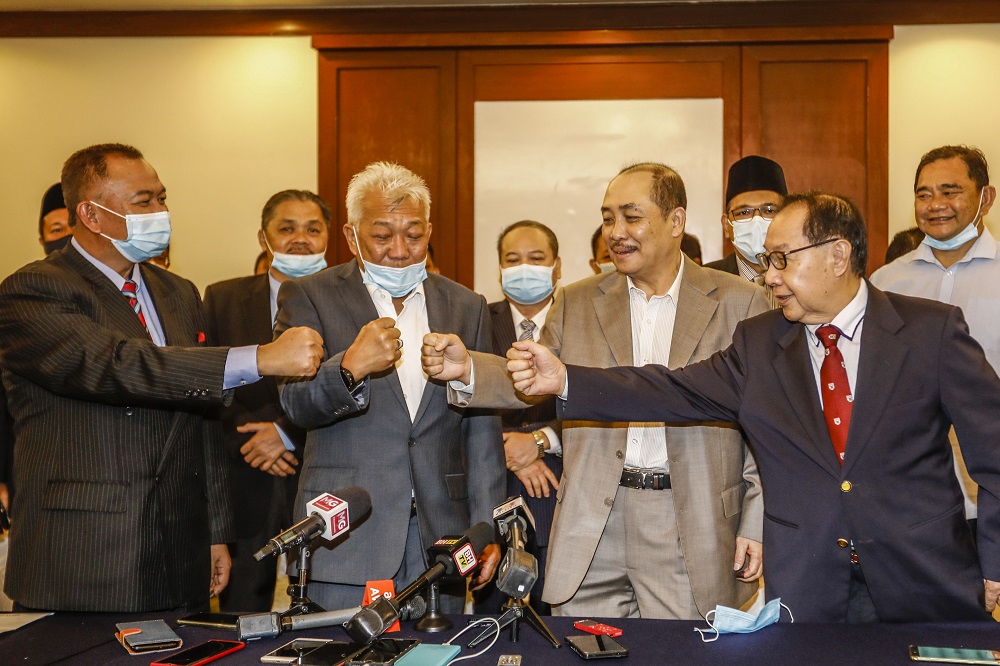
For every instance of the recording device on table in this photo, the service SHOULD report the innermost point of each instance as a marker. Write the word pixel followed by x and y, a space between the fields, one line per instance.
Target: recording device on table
pixel 596 646
pixel 451 555
pixel 518 571
pixel 941 655
pixel 200 654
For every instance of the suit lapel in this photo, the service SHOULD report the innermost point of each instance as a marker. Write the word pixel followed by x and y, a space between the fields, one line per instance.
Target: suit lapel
pixel 795 374
pixel 504 333
pixel 881 361
pixel 120 316
pixel 440 320
pixel 173 320
pixel 695 310
pixel 615 316
pixel 256 304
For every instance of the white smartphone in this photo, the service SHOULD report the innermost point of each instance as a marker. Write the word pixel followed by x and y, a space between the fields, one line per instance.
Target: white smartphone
pixel 943 655
pixel 291 652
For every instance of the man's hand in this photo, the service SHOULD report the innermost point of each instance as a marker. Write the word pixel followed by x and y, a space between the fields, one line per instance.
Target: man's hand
pixel 221 564
pixel 992 594
pixel 296 353
pixel 750 553
pixel 445 357
pixel 537 479
pixel 520 449
pixel 488 561
pixel 266 451
pixel 376 348
pixel 535 369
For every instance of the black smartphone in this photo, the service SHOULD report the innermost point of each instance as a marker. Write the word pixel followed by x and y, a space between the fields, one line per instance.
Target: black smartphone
pixel 382 652
pixel 200 654
pixel 596 647
pixel 214 620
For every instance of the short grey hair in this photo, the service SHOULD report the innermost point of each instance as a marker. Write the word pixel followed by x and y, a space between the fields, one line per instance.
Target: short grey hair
pixel 390 180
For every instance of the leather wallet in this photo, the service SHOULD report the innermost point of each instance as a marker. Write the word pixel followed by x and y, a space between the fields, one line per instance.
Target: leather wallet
pixel 147 636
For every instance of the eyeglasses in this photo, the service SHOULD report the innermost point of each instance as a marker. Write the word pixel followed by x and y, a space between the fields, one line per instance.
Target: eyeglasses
pixel 780 259
pixel 746 213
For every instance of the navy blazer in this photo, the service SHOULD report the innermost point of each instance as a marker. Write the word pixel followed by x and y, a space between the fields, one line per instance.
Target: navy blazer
pixel 896 496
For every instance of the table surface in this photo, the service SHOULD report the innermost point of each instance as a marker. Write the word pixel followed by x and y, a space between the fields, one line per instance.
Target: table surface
pixel 88 638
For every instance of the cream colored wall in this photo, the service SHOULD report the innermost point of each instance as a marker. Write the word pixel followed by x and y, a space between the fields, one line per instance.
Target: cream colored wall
pixel 225 121
pixel 942 90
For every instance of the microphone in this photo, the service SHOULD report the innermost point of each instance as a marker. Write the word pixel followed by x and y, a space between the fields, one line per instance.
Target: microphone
pixel 328 516
pixel 450 554
pixel 518 569
pixel 269 625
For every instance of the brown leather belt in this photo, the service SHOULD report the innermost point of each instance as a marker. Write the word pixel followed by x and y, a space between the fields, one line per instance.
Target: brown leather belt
pixel 641 480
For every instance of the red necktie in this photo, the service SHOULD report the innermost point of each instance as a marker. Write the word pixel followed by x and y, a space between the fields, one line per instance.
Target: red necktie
pixel 837 398
pixel 128 290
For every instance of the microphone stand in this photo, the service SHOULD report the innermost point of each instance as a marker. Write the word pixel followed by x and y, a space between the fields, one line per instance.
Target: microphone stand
pixel 301 603
pixel 434 620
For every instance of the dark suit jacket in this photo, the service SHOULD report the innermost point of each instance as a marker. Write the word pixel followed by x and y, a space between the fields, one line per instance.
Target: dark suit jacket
pixel 120 482
pixel 726 264
pixel 238 312
pixel 451 458
pixel 525 420
pixel 896 495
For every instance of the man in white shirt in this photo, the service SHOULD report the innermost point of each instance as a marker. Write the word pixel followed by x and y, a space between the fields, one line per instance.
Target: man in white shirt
pixel 650 521
pixel 372 417
pixel 957 262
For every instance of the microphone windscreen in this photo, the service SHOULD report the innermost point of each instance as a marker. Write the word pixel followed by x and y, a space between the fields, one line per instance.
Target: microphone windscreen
pixel 480 535
pixel 359 502
pixel 414 609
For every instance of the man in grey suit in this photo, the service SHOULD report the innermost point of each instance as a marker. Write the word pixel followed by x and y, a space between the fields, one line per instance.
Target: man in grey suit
pixel 373 418
pixel 650 521
pixel 121 500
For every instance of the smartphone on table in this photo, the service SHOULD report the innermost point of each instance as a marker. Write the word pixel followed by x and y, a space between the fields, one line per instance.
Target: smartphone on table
pixel 943 655
pixel 200 654
pixel 293 651
pixel 596 646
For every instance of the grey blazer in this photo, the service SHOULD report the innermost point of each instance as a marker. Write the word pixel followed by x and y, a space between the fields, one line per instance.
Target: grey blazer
pixel 715 482
pixel 451 458
pixel 120 481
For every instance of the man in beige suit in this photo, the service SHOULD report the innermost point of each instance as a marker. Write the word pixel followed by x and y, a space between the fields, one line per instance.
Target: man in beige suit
pixel 650 521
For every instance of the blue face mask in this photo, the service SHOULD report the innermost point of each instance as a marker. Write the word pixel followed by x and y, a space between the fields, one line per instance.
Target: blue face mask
pixel 397 281
pixel 296 265
pixel 148 235
pixel 731 621
pixel 527 284
pixel 961 238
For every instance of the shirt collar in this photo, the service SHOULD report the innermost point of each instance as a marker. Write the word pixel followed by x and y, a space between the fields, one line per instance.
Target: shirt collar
pixel 745 268
pixel 539 317
pixel 985 247
pixel 672 293
pixel 849 319
pixel 116 278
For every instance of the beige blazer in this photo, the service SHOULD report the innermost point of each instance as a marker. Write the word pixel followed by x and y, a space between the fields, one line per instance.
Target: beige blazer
pixel 716 488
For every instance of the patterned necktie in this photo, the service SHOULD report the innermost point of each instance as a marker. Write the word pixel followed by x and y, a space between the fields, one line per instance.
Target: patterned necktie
pixel 128 291
pixel 527 330
pixel 837 399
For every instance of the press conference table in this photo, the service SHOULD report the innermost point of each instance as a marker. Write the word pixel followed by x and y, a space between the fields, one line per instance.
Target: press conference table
pixel 88 638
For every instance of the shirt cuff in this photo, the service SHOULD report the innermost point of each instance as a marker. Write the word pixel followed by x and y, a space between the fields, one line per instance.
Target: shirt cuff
pixel 241 367
pixel 565 393
pixel 555 446
pixel 284 438
pixel 465 391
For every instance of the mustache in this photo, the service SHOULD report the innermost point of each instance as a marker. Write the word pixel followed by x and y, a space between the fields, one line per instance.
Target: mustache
pixel 621 245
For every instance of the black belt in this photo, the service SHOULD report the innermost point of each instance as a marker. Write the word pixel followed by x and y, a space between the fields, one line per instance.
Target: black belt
pixel 641 480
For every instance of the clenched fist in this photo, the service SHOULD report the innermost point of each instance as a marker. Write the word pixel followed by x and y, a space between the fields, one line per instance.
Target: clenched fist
pixel 445 357
pixel 376 348
pixel 296 353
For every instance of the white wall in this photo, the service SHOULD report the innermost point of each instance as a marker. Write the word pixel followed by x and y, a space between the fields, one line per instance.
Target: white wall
pixel 225 121
pixel 943 89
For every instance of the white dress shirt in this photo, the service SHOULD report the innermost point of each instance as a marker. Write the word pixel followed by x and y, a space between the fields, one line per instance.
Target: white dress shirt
pixel 555 444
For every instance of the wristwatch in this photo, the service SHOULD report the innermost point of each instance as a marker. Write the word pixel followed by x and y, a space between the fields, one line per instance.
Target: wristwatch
pixel 540 440
pixel 349 381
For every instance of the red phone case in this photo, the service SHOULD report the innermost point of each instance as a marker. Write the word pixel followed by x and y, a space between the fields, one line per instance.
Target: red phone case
pixel 168 661
pixel 595 628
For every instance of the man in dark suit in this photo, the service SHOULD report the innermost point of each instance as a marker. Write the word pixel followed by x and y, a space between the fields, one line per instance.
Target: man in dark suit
pixel 530 267
pixel 373 418
pixel 846 400
pixel 754 193
pixel 262 446
pixel 121 501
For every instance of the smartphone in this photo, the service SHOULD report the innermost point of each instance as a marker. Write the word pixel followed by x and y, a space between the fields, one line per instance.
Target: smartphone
pixel 592 627
pixel 291 652
pixel 596 646
pixel 382 652
pixel 331 653
pixel 200 654
pixel 214 620
pixel 954 655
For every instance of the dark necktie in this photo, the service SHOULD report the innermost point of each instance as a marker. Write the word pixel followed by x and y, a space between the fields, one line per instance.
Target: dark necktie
pixel 527 330
pixel 128 291
pixel 837 398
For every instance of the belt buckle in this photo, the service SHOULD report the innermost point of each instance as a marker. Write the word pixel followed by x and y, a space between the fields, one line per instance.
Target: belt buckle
pixel 648 480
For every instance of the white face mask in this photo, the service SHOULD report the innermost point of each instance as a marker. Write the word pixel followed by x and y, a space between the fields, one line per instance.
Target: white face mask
pixel 296 265
pixel 748 237
pixel 962 237
pixel 148 235
pixel 397 281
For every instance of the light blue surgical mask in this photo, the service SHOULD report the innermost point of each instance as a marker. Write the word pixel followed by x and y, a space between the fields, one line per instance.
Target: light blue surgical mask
pixel 527 284
pixel 728 620
pixel 296 265
pixel 148 235
pixel 748 237
pixel 607 267
pixel 397 281
pixel 961 238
